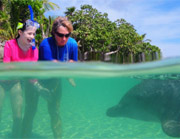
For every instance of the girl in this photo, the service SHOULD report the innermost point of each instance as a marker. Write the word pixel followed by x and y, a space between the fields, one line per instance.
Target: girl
pixel 18 50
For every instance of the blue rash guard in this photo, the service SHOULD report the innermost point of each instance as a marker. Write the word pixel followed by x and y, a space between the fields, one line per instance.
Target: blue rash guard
pixel 48 50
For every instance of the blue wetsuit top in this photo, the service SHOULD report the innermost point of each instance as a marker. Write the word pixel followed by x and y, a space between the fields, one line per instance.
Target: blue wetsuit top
pixel 48 50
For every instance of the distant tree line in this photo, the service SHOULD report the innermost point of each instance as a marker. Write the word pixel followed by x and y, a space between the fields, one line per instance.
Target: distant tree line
pixel 98 38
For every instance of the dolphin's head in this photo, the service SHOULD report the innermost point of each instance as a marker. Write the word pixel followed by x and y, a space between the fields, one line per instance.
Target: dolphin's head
pixel 114 111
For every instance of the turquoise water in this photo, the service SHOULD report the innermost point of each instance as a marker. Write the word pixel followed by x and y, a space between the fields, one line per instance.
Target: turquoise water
pixel 89 89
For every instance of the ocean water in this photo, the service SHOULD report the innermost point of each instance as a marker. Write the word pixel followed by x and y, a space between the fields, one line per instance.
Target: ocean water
pixel 100 100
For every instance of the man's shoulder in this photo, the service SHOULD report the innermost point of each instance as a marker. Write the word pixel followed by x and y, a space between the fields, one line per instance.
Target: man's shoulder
pixel 47 41
pixel 72 41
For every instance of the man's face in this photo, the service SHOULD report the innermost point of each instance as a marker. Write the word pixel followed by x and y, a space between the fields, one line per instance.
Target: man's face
pixel 62 35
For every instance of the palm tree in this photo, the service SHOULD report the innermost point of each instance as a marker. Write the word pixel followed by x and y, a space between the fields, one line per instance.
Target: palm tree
pixel 70 11
pixel 49 5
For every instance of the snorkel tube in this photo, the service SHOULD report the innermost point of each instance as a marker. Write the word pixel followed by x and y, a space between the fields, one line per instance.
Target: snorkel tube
pixel 32 18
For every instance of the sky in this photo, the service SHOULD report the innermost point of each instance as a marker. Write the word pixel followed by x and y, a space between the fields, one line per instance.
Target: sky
pixel 158 19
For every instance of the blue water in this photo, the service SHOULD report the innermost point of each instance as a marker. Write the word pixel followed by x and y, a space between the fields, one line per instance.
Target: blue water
pixel 89 89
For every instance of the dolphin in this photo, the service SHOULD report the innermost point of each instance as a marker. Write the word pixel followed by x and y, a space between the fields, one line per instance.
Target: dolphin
pixel 152 100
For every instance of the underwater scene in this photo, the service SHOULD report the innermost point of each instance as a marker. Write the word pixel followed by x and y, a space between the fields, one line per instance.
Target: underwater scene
pixel 90 100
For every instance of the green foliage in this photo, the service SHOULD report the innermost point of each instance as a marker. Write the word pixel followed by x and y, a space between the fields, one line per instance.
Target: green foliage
pixel 15 11
pixel 20 12
pixel 91 28
pixel 96 33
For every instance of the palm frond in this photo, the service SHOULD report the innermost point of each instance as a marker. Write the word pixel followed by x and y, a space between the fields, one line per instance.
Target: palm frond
pixel 50 5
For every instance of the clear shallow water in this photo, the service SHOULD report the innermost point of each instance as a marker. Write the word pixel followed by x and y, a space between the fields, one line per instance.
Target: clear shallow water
pixel 98 87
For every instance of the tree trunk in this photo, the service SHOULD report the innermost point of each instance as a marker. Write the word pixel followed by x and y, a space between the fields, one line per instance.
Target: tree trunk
pixel 143 57
pixel 132 57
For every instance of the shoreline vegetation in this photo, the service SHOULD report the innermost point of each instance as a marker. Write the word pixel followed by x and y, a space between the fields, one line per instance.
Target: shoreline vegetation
pixel 98 38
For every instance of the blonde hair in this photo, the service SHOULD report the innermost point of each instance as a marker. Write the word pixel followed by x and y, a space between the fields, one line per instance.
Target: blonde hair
pixel 61 21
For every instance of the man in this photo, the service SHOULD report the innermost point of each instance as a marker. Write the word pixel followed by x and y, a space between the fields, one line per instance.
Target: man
pixel 59 47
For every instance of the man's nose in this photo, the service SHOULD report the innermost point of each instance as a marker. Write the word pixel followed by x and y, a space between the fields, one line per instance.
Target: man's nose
pixel 64 38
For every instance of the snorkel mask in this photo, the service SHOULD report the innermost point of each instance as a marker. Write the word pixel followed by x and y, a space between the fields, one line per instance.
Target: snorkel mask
pixel 32 23
pixel 29 23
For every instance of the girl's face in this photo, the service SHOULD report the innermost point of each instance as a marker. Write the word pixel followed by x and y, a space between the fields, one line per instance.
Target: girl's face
pixel 27 36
